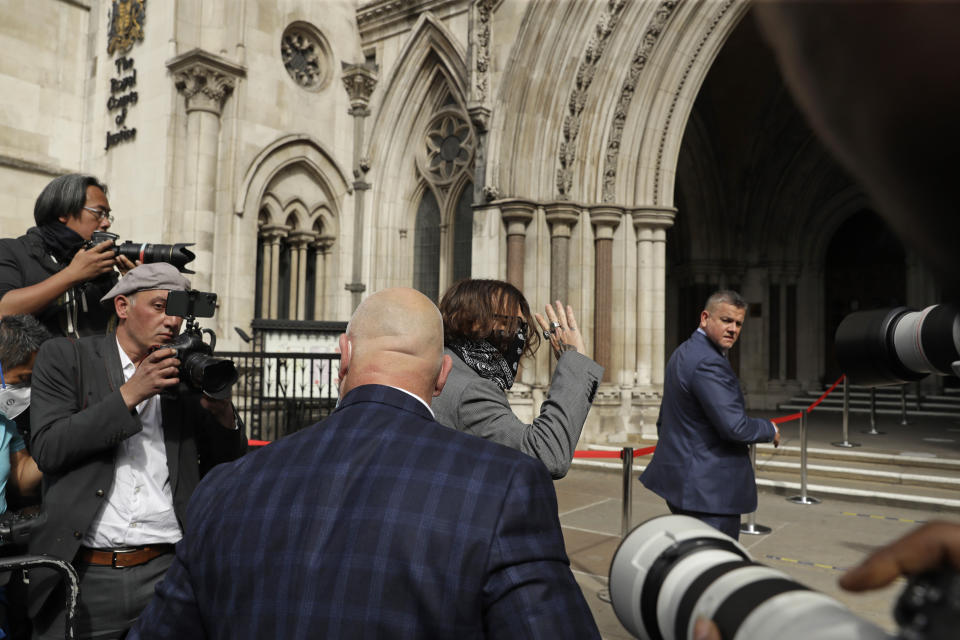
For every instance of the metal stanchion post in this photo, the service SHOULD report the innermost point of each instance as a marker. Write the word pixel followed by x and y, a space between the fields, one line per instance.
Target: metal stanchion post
pixel 751 527
pixel 903 405
pixel 872 431
pixel 803 498
pixel 846 418
pixel 627 455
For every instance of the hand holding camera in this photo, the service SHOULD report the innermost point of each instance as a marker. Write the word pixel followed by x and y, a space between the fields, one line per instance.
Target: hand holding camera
pixel 157 372
pixel 91 261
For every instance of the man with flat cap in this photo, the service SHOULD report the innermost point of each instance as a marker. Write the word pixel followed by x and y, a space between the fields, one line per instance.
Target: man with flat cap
pixel 119 460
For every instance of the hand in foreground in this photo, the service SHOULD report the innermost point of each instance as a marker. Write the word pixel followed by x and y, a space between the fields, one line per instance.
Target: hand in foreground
pixel 776 437
pixel 706 630
pixel 156 372
pixel 933 545
pixel 222 410
pixel 560 327
pixel 87 264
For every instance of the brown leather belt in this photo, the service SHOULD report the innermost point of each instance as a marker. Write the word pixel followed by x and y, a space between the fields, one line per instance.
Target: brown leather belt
pixel 124 557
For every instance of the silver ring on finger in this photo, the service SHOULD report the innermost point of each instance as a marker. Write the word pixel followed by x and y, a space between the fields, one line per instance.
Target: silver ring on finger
pixel 546 334
pixel 554 326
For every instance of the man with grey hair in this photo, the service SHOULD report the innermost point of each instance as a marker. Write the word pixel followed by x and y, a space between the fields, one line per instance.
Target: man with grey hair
pixel 119 459
pixel 701 466
pixel 378 522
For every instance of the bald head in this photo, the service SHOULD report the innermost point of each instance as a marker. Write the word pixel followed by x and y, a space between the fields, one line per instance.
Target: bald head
pixel 395 338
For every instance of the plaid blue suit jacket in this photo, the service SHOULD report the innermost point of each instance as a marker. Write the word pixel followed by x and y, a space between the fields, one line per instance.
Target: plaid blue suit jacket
pixel 376 523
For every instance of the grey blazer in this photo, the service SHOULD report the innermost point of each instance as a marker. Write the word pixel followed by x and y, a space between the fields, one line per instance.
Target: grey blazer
pixel 479 407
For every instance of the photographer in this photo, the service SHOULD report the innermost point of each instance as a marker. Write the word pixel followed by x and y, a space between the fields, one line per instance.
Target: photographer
pixel 120 459
pixel 49 273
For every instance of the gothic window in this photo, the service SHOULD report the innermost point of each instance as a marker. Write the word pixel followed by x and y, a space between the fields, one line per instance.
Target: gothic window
pixel 426 248
pixel 463 235
pixel 306 56
pixel 443 230
pixel 293 259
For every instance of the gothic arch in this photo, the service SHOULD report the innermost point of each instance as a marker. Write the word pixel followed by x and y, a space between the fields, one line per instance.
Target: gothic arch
pixel 430 76
pixel 286 181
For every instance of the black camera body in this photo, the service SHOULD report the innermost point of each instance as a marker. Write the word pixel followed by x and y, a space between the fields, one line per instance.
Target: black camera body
pixel 176 254
pixel 199 369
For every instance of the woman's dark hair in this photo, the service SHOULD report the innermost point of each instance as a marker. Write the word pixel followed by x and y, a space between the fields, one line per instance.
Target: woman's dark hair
pixel 469 309
pixel 64 197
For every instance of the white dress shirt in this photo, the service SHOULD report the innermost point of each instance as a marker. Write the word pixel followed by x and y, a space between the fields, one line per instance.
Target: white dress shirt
pixel 138 509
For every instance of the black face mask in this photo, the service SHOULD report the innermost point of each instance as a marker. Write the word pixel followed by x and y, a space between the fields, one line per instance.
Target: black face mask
pixel 510 345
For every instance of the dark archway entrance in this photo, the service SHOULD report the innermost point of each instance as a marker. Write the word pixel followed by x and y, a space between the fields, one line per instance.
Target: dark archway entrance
pixel 864 269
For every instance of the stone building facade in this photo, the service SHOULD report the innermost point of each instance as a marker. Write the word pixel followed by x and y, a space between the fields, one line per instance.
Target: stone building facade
pixel 626 156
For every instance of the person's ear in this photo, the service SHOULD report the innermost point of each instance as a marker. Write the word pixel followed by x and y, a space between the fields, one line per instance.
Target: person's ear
pixel 445 368
pixel 345 349
pixel 703 318
pixel 122 306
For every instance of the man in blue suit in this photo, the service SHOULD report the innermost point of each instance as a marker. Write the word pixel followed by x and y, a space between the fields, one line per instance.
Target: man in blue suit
pixel 378 522
pixel 701 466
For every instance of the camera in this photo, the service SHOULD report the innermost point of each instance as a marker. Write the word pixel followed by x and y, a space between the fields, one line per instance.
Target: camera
pixel 176 254
pixel 672 570
pixel 893 346
pixel 198 368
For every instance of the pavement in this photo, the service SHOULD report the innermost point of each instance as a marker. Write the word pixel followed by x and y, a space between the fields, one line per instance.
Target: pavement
pixel 812 543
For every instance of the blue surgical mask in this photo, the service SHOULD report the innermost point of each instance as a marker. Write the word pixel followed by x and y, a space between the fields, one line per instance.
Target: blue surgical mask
pixel 14 398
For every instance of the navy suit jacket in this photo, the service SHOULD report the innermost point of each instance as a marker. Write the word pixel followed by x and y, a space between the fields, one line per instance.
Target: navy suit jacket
pixel 702 462
pixel 376 523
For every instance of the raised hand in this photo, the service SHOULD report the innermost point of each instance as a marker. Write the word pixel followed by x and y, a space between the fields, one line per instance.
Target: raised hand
pixel 560 328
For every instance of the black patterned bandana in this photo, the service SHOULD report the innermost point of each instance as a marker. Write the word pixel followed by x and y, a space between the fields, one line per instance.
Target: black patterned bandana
pixel 485 360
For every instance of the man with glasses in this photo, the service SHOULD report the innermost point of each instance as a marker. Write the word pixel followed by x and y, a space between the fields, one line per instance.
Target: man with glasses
pixel 49 272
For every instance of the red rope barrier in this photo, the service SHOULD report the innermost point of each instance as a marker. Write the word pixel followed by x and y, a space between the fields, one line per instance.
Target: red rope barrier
pixel 796 416
pixel 789 418
pixel 611 454
pixel 826 393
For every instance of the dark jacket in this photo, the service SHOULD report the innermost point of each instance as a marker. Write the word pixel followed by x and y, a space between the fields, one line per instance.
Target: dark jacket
pixel 376 523
pixel 702 461
pixel 26 261
pixel 79 418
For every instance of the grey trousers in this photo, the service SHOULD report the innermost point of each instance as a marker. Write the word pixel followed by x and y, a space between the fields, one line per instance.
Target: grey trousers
pixel 110 600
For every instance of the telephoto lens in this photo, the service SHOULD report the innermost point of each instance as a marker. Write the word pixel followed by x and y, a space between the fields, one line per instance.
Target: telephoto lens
pixel 672 570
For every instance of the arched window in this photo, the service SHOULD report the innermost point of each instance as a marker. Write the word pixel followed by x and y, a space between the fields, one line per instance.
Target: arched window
pixel 463 235
pixel 426 247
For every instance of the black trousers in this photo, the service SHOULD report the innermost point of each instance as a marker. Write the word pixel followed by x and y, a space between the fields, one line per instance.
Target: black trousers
pixel 725 523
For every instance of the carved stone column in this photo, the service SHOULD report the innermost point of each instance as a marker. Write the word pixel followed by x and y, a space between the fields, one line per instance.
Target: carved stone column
pixel 205 80
pixel 561 217
pixel 299 241
pixel 516 214
pixel 651 224
pixel 605 221
pixel 270 284
pixel 359 80
pixel 322 246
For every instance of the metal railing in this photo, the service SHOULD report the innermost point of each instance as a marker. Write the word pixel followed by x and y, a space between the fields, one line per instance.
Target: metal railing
pixel 280 393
